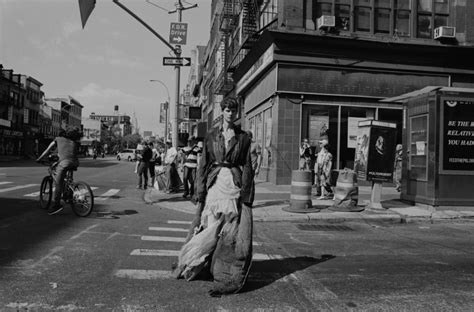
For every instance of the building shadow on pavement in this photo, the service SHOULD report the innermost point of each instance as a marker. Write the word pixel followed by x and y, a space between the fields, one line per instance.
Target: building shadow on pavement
pixel 265 272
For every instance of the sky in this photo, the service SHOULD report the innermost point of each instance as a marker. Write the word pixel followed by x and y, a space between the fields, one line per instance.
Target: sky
pixel 109 62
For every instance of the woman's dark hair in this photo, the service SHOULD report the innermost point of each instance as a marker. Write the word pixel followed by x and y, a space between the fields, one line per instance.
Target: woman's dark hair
pixel 230 103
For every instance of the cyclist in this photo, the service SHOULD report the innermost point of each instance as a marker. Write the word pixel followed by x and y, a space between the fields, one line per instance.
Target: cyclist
pixel 67 144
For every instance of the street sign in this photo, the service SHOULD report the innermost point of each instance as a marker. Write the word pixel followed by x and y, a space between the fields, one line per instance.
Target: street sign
pixel 177 61
pixel 178 33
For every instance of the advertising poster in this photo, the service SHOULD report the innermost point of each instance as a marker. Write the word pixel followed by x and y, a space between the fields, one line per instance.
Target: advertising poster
pixel 458 135
pixel 382 145
pixel 318 125
pixel 362 153
pixel 353 131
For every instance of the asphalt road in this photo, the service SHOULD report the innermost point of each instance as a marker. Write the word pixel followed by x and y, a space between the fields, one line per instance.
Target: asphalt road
pixel 119 258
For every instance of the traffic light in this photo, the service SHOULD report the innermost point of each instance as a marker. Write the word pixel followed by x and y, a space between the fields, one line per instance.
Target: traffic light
pixel 86 7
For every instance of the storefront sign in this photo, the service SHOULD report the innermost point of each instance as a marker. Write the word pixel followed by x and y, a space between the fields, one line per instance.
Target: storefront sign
pixel 458 134
pixel 352 82
pixel 258 67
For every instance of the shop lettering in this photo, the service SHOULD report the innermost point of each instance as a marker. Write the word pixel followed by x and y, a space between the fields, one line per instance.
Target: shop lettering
pixel 460 133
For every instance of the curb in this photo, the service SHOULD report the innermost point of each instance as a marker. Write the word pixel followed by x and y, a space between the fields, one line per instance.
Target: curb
pixel 275 213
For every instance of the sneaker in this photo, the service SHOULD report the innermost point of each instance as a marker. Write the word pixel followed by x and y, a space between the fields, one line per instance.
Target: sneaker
pixel 54 209
pixel 139 187
pixel 185 195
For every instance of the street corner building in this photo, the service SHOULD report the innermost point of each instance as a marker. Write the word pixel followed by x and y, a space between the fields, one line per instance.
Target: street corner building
pixel 316 68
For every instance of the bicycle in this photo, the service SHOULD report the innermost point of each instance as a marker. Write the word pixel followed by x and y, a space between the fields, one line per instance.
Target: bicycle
pixel 78 194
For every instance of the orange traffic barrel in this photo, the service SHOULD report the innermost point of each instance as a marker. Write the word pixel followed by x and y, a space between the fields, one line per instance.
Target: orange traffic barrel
pixel 300 197
pixel 346 192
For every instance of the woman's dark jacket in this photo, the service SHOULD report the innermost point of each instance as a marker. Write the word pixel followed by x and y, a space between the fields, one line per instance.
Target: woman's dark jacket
pixel 236 157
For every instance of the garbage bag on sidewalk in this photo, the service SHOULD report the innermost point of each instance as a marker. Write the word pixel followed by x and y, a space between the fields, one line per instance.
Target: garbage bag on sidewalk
pixel 346 192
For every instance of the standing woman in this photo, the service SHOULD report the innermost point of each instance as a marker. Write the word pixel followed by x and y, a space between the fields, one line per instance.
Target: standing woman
pixel 220 238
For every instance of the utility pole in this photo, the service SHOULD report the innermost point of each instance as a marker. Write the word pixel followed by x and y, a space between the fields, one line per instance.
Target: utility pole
pixel 174 108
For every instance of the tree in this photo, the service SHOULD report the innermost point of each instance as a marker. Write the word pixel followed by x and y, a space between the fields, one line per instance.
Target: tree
pixel 131 140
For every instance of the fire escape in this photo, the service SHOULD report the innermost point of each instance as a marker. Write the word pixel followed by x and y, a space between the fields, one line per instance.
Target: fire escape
pixel 238 28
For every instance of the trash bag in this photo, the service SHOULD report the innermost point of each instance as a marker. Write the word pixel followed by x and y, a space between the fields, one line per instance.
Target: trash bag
pixel 346 192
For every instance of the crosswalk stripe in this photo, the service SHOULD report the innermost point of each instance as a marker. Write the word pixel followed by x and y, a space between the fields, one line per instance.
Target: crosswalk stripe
pixel 178 222
pixel 35 194
pixel 175 253
pixel 143 274
pixel 169 229
pixel 17 187
pixel 107 194
pixel 155 252
pixel 5 182
pixel 163 239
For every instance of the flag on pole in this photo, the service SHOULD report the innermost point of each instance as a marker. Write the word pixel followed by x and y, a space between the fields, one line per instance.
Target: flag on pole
pixel 86 7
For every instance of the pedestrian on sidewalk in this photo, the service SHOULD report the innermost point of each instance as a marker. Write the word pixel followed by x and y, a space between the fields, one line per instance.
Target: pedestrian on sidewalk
pixel 220 238
pixel 190 154
pixel 172 177
pixel 256 158
pixel 143 166
pixel 152 163
pixel 322 169
pixel 305 155
pixel 398 167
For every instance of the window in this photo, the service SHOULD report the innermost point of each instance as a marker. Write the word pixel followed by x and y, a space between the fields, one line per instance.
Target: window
pixel 362 15
pixel 382 16
pixel 431 14
pixel 343 15
pixel 402 18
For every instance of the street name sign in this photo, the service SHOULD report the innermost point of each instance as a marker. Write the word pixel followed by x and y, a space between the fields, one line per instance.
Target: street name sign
pixel 176 61
pixel 178 33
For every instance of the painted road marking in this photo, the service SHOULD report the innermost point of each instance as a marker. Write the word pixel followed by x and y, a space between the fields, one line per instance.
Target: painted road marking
pixel 163 239
pixel 175 253
pixel 35 194
pixel 143 274
pixel 17 187
pixel 178 222
pixel 155 252
pixel 5 182
pixel 107 194
pixel 169 229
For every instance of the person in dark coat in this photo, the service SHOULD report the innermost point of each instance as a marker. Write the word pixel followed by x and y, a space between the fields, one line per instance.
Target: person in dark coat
pixel 220 237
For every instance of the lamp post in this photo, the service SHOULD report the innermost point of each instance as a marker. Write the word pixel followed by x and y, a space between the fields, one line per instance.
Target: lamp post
pixel 166 108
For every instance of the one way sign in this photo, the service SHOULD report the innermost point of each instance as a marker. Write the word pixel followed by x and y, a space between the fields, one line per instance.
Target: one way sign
pixel 177 61
pixel 178 33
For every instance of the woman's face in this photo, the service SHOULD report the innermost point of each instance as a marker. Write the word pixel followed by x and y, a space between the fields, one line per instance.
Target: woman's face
pixel 229 114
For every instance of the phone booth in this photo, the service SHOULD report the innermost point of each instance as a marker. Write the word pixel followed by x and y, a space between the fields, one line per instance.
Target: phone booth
pixel 439 147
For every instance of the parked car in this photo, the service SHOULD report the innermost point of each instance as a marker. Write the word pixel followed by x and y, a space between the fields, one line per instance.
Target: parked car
pixel 128 154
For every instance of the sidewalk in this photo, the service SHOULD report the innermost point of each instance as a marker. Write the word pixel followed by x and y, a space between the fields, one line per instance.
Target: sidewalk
pixel 268 210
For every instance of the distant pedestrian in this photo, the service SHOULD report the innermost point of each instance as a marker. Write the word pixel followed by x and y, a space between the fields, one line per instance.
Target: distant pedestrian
pixel 322 169
pixel 143 166
pixel 190 153
pixel 172 177
pixel 138 153
pixel 305 155
pixel 152 163
pixel 398 167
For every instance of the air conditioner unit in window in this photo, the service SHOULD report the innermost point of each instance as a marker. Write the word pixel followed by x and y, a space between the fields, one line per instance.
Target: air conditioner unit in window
pixel 326 21
pixel 444 32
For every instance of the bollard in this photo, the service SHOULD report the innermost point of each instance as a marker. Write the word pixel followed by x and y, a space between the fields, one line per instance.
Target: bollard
pixel 300 198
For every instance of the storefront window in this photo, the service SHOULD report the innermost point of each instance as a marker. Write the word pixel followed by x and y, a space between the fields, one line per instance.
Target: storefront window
pixel 382 21
pixel 362 18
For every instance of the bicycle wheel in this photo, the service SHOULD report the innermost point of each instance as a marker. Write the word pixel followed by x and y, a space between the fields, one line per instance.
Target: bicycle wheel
pixel 46 192
pixel 82 199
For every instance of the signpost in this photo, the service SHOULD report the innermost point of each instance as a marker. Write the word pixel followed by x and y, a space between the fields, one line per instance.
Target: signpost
pixel 178 33
pixel 176 61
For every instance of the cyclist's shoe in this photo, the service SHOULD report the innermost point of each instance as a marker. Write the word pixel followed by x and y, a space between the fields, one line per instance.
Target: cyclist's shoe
pixel 55 209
